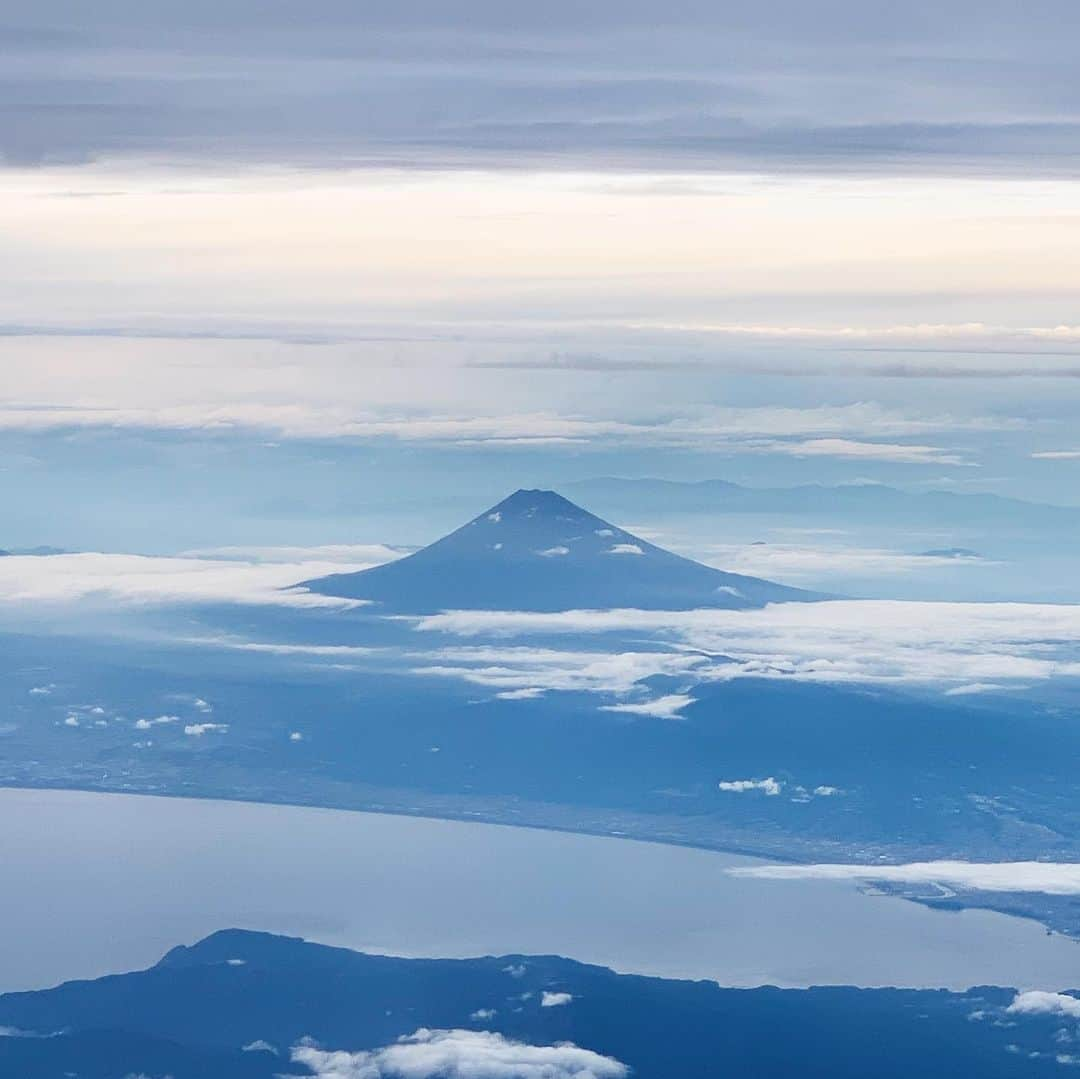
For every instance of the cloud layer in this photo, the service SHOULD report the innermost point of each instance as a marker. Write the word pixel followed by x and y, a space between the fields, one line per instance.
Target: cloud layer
pixel 1050 878
pixel 774 86
pixel 825 431
pixel 126 579
pixel 886 641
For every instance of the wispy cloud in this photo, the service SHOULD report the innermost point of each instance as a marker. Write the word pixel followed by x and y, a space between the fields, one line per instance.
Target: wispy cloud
pixel 349 554
pixel 522 672
pixel 887 641
pixel 1050 878
pixel 667 707
pixel 764 430
pixel 895 452
pixel 795 562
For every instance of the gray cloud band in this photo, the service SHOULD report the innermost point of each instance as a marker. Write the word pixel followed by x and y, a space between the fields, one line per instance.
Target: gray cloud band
pixel 614 86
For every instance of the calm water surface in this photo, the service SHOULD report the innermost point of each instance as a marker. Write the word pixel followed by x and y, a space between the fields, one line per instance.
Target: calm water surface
pixel 98 883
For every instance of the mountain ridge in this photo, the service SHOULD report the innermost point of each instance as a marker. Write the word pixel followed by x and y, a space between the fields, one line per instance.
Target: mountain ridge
pixel 649 493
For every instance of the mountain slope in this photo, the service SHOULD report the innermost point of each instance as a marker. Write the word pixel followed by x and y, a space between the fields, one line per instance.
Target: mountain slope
pixel 538 551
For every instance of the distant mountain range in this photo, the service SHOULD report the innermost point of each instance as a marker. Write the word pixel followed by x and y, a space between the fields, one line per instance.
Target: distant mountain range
pixel 538 551
pixel 865 501
pixel 235 1004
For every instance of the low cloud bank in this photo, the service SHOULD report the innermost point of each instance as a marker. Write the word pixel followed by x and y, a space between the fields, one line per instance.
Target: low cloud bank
pixel 1049 878
pixel 882 641
pixel 142 580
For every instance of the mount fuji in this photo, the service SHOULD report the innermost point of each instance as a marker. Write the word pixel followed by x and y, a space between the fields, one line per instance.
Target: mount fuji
pixel 537 551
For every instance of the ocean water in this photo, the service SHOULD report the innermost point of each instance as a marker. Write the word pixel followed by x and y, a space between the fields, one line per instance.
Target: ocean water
pixel 98 883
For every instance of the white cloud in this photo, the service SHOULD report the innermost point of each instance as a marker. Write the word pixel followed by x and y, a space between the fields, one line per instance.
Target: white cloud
pixel 895 452
pixel 349 554
pixel 1050 878
pixel 886 641
pixel 972 689
pixel 461 1054
pixel 529 693
pixel 666 707
pixel 197 730
pixel 71 721
pixel 295 736
pixel 793 562
pixel 142 580
pixel 851 430
pixel 825 791
pixel 146 724
pixel 482 1015
pixel 554 552
pixel 555 1000
pixel 42 691
pixel 273 649
pixel 1057 455
pixel 955 336
pixel 768 786
pixel 526 671
pixel 626 548
pixel 259 1046
pixel 1040 1002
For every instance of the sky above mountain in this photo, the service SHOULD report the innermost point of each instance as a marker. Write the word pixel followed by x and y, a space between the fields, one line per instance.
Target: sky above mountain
pixel 769 243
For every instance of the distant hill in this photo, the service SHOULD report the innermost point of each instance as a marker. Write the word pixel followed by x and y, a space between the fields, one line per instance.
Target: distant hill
pixel 538 551
pixel 865 501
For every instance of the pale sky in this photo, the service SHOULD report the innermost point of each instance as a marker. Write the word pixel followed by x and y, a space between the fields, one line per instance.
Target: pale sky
pixel 769 242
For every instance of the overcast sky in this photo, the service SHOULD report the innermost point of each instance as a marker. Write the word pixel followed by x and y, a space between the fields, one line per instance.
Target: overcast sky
pixel 970 87
pixel 778 241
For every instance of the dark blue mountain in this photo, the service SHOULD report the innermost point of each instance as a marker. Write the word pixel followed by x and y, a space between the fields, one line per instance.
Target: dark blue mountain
pixel 231 1007
pixel 537 551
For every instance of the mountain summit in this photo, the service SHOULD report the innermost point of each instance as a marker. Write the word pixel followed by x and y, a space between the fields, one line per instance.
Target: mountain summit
pixel 537 551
